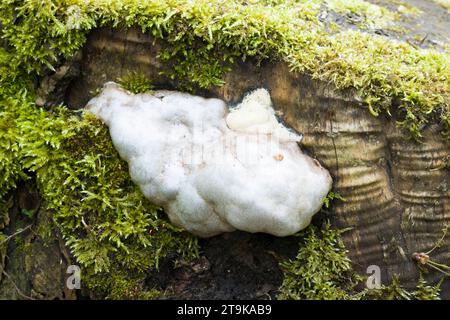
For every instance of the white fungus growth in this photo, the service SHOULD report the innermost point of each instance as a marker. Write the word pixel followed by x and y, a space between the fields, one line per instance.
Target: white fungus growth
pixel 212 170
pixel 256 115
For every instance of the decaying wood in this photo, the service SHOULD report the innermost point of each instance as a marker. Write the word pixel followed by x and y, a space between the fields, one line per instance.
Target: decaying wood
pixel 396 191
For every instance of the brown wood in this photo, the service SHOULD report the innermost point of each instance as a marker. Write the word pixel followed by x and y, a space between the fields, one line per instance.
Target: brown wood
pixel 396 190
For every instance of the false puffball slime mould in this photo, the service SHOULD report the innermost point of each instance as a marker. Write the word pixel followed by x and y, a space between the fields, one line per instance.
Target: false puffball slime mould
pixel 212 169
pixel 256 115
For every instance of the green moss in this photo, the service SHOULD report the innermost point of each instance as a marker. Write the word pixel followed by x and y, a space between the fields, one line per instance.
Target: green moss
pixel 330 197
pixel 204 37
pixel 110 227
pixel 322 270
pixel 394 291
pixel 424 291
pixel 119 285
pixel 10 168
pixel 374 15
pixel 135 82
pixel 3 247
pixel 105 220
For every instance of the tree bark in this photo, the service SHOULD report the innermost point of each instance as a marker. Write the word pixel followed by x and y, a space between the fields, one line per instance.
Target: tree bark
pixel 396 190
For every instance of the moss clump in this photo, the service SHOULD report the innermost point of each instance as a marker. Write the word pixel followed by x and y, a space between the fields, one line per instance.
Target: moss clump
pixel 110 227
pixel 204 37
pixel 13 92
pixel 395 291
pixel 104 218
pixel 135 82
pixel 119 284
pixel 322 270
pixel 374 15
pixel 9 167
pixel 330 197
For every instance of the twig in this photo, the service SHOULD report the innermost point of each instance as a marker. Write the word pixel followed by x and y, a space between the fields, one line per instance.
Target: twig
pixel 443 266
pixel 423 258
pixel 439 242
pixel 15 234
pixel 439 269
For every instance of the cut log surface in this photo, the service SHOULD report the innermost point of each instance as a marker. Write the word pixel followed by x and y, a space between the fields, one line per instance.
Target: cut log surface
pixel 396 190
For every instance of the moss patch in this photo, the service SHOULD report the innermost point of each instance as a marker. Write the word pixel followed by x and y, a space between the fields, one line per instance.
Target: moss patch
pixel 204 37
pixel 372 14
pixel 322 271
pixel 109 226
pixel 135 82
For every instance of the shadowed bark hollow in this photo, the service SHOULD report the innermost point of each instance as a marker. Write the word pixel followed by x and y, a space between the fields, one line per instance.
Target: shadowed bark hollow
pixel 35 259
pixel 396 190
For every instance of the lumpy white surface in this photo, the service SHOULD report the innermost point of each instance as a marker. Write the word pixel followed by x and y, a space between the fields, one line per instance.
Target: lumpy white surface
pixel 211 169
